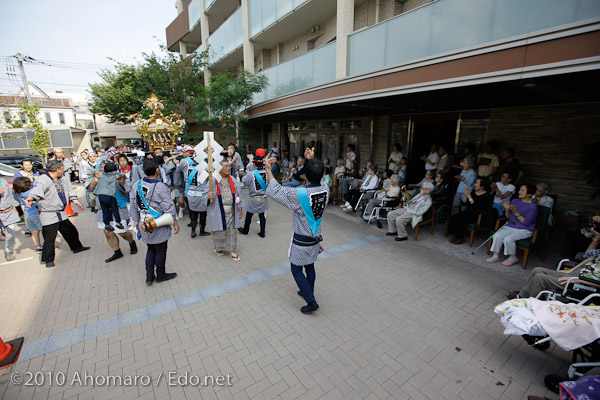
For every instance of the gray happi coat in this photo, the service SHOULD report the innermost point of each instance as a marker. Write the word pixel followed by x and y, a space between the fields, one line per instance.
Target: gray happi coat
pixel 158 197
pixel 215 212
pixel 198 191
pixel 50 206
pixel 288 197
pixel 137 173
pixel 8 201
pixel 254 189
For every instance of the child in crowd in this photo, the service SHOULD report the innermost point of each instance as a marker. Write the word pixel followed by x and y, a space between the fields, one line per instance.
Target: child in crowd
pixel 106 191
pixel 22 187
pixel 503 191
pixel 402 169
pixel 8 217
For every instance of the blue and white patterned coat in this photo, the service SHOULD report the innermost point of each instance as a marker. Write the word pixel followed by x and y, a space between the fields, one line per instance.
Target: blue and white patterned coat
pixel 254 189
pixel 288 197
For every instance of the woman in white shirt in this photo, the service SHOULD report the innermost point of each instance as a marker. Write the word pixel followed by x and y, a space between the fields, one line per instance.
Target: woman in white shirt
pixel 503 190
pixel 391 193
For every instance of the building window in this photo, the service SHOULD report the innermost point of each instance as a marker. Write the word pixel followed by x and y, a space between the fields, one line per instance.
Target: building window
pixel 23 118
pixel 48 119
pixel 61 118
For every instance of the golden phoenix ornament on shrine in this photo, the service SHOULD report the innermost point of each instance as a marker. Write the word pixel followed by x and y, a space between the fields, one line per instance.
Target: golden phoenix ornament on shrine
pixel 160 131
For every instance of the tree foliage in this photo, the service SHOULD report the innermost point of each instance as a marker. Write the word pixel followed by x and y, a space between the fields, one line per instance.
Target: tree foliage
pixel 174 79
pixel 41 135
pixel 226 99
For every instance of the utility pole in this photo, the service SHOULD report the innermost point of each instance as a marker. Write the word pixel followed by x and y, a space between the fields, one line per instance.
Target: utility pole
pixel 20 58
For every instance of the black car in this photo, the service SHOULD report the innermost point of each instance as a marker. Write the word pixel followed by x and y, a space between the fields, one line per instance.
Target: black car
pixel 14 160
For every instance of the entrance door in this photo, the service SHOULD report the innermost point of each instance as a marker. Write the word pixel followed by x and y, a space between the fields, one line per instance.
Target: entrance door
pixel 428 130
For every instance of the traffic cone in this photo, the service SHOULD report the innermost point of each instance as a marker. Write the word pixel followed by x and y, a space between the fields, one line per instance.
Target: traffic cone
pixel 9 351
pixel 69 211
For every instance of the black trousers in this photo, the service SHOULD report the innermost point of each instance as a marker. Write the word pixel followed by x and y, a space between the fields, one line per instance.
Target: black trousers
pixel 194 217
pixel 352 196
pixel 261 218
pixel 68 232
pixel 458 223
pixel 156 257
pixel 110 209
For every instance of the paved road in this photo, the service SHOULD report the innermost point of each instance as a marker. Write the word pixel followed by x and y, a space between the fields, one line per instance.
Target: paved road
pixel 397 321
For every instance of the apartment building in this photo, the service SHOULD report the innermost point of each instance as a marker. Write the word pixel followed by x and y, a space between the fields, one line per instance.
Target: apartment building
pixel 416 72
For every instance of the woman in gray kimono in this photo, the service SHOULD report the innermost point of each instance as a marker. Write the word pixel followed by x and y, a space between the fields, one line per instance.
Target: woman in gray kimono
pixel 8 217
pixel 53 192
pixel 195 190
pixel 308 204
pixel 225 211
pixel 255 180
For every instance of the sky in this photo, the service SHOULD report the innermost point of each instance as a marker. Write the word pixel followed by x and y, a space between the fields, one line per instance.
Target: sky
pixel 79 37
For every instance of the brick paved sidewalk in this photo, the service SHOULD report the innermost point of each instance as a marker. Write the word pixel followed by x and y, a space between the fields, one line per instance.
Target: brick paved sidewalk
pixel 397 321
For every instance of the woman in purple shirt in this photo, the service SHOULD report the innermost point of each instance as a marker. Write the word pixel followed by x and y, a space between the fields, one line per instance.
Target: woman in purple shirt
pixel 522 215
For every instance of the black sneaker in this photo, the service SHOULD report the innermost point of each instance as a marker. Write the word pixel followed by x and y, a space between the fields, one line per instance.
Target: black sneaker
pixel 118 254
pixel 28 232
pixel 149 282
pixel 79 250
pixel 109 228
pixel 262 235
pixel 401 239
pixel 119 225
pixel 310 307
pixel 50 265
pixel 242 231
pixel 167 277
pixel 133 247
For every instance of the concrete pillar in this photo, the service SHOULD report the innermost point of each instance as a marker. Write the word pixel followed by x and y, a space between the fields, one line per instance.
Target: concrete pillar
pixel 205 33
pixel 248 48
pixel 345 26
pixel 182 48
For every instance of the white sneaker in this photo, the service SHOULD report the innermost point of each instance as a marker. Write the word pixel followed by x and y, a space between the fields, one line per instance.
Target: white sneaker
pixel 180 215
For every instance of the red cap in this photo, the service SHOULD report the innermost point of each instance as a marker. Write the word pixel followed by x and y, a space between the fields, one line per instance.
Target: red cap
pixel 261 152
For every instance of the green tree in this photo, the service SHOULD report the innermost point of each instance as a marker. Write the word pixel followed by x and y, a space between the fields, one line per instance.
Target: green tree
pixel 174 79
pixel 41 135
pixel 227 98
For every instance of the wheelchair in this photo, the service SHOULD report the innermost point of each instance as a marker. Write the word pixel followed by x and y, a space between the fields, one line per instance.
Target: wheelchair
pixel 381 211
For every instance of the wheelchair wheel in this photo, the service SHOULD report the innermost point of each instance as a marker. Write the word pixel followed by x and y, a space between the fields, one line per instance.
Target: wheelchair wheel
pixel 442 214
pixel 553 381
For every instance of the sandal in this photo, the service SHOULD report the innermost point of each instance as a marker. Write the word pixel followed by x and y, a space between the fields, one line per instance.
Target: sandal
pixel 236 258
pixel 219 253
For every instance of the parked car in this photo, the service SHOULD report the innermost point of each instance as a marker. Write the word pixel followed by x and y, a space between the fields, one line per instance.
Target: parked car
pixel 14 160
pixel 8 173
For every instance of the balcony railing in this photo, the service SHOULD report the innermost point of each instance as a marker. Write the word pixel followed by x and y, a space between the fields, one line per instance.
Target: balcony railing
pixel 194 12
pixel 226 39
pixel 450 25
pixel 207 4
pixel 264 13
pixel 310 69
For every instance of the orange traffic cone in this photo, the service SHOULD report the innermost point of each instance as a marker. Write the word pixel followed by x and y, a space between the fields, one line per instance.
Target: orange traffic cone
pixel 69 211
pixel 9 352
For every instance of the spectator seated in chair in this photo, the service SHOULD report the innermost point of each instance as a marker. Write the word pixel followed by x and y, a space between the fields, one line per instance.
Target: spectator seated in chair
pixel 383 195
pixel 427 179
pixel 412 212
pixel 542 278
pixel 466 179
pixel 340 170
pixel 348 183
pixel 440 193
pixel 476 202
pixel 370 182
pixel 522 214
pixel 296 178
pixel 542 199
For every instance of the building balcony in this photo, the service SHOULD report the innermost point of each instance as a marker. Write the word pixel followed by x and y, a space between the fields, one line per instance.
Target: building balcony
pixel 225 44
pixel 451 26
pixel 310 69
pixel 277 21
pixel 185 28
